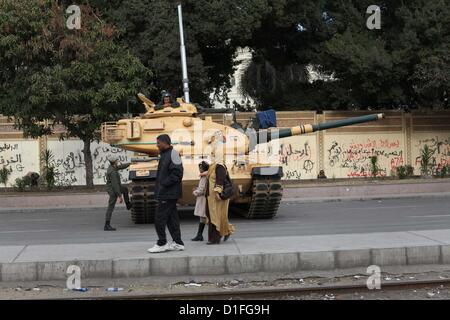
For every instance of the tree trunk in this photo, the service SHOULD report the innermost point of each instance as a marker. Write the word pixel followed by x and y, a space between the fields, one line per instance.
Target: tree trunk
pixel 88 162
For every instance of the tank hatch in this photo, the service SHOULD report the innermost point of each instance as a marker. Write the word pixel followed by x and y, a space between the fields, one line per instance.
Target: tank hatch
pixel 180 109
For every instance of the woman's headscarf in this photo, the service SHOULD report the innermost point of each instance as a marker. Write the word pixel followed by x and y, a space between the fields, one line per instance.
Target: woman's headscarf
pixel 218 148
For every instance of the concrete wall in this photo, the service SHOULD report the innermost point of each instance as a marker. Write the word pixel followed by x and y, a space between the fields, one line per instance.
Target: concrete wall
pixel 19 155
pixel 342 153
pixel 69 162
pixel 348 155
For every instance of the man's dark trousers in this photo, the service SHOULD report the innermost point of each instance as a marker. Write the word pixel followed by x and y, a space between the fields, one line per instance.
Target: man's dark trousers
pixel 167 215
pixel 113 200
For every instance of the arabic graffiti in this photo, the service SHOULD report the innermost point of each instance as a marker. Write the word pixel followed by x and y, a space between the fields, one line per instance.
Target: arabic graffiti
pixel 354 159
pixel 20 157
pixel 298 158
pixel 439 148
pixel 100 163
pixel 292 175
pixel 296 155
pixel 70 166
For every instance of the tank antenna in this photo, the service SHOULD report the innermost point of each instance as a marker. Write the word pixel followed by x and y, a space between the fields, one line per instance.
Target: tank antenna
pixel 183 56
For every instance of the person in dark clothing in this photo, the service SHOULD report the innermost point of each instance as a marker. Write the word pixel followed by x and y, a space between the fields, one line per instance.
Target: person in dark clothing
pixel 168 190
pixel 321 175
pixel 115 189
pixel 166 101
pixel 34 178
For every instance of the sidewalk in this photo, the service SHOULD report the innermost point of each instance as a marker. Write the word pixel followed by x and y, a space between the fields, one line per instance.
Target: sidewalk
pixel 302 192
pixel 237 256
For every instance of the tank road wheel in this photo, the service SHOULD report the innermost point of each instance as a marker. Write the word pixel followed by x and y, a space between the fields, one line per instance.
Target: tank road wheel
pixel 265 200
pixel 143 201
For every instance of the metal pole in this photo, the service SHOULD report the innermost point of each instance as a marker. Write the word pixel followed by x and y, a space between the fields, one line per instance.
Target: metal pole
pixel 183 56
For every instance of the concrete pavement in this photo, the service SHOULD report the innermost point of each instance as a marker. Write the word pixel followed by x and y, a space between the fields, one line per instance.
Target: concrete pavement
pixel 246 255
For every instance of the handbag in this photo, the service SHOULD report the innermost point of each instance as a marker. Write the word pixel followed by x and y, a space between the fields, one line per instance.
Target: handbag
pixel 228 188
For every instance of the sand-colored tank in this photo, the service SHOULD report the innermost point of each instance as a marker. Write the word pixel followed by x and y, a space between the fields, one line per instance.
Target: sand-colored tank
pixel 257 176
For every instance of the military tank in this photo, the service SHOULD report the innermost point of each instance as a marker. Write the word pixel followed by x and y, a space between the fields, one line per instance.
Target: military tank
pixel 256 176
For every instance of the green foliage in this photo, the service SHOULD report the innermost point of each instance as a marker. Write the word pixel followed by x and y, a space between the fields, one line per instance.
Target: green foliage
pixel 49 176
pixel 48 157
pixel 425 158
pixel 5 172
pixel 405 63
pixel 409 170
pixel 50 71
pixel 444 171
pixel 375 169
pixel 76 78
pixel 404 172
pixel 49 170
pixel 214 29
pixel 20 184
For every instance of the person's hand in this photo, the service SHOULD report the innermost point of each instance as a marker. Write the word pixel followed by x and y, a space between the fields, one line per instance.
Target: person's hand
pixel 120 199
pixel 218 196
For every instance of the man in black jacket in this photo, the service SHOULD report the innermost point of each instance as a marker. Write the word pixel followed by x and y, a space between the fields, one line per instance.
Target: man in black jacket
pixel 168 190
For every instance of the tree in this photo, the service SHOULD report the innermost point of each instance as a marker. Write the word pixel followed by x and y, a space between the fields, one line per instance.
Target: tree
pixel 214 29
pixel 53 76
pixel 404 64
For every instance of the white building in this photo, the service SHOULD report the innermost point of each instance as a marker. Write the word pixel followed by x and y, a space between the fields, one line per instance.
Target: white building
pixel 242 60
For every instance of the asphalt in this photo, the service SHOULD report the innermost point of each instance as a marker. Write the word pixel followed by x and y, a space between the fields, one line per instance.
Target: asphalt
pixel 303 236
pixel 304 192
pixel 69 226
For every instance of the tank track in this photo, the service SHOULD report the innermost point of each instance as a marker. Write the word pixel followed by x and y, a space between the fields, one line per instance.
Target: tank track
pixel 265 200
pixel 143 201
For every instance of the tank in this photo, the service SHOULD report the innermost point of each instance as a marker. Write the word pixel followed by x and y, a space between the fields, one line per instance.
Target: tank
pixel 256 176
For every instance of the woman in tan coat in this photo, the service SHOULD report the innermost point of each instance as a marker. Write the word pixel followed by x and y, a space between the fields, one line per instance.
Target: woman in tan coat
pixel 217 209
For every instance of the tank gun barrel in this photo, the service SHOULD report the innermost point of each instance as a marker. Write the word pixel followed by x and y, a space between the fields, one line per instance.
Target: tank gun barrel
pixel 268 135
pixel 213 110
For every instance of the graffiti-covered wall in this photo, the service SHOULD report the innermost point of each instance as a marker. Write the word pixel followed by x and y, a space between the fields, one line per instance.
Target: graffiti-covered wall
pixel 348 155
pixel 20 157
pixel 439 146
pixel 68 160
pixel 342 153
pixel 298 155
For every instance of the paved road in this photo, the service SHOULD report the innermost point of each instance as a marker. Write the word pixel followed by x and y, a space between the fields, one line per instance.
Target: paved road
pixel 294 219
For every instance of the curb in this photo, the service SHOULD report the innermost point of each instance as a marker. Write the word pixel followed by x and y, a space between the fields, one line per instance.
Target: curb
pixel 371 197
pixel 228 264
pixel 297 200
pixel 52 209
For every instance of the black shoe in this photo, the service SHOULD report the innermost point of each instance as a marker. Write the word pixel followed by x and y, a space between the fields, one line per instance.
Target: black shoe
pixel 129 205
pixel 108 227
pixel 199 236
pixel 226 237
